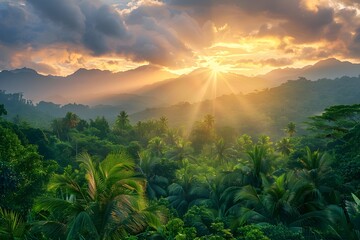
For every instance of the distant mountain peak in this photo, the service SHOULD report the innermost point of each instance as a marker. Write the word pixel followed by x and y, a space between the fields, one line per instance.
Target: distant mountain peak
pixel 24 70
pixel 330 68
pixel 329 61
pixel 84 71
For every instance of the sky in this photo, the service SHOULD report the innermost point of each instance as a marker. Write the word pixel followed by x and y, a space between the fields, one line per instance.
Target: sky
pixel 248 37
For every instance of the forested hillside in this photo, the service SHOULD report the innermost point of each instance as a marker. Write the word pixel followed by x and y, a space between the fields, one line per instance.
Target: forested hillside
pixel 94 180
pixel 265 111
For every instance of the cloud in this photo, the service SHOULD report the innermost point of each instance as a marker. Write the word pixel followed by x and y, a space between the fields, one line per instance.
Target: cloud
pixel 173 33
pixel 142 33
pixel 15 24
pixel 64 12
pixel 277 62
pixel 351 2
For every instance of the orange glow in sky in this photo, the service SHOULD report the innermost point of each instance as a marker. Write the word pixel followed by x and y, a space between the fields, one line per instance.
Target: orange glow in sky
pixel 244 37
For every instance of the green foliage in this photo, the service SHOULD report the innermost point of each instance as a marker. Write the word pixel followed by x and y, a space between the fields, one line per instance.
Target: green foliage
pixel 353 211
pixel 290 129
pixel 110 206
pixel 285 146
pixel 122 122
pixel 175 229
pixel 12 225
pixel 102 125
pixel 280 232
pixel 24 172
pixel 213 185
pixel 201 218
pixel 252 232
pixel 2 110
pixel 203 133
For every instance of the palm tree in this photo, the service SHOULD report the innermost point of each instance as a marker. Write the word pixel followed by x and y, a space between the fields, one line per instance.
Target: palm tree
pixel 244 143
pixel 71 120
pixel 180 151
pixel 186 192
pixel 156 147
pixel 288 200
pixel 317 170
pixel 122 121
pixel 111 205
pixel 265 142
pixel 290 129
pixel 316 161
pixel 259 164
pixel 221 152
pixel 284 146
pixel 162 125
pixel 156 184
pixel 57 125
pixel 209 121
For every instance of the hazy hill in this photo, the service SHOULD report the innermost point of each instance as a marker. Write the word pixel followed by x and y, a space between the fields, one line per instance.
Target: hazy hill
pixel 266 111
pixel 330 68
pixel 202 84
pixel 82 86
pixel 41 114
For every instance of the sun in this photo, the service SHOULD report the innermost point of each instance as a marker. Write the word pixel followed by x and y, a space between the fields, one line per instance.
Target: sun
pixel 217 67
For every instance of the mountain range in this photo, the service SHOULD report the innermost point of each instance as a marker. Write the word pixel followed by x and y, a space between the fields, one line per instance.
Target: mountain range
pixel 151 86
pixel 83 86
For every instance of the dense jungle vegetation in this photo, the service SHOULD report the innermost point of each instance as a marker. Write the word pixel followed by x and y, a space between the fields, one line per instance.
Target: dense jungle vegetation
pixel 94 180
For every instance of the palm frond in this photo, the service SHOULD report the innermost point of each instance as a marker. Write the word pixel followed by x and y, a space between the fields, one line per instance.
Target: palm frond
pixel 12 226
pixel 82 226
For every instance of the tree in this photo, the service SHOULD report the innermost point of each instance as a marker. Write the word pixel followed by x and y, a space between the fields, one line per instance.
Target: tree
pixel 187 191
pixel 2 110
pixel 203 133
pixel 259 163
pixel 122 121
pixel 209 121
pixel 23 170
pixel 156 147
pixel 221 152
pixel 317 170
pixel 101 124
pixel 288 200
pixel 156 183
pixel 290 129
pixel 163 126
pixel 337 130
pixel 265 142
pixel 181 150
pixel 71 120
pixel 244 143
pixel 284 146
pixel 111 206
pixel 57 126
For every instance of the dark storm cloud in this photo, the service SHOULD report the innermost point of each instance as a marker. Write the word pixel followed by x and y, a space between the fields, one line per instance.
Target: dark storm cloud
pixel 100 28
pixel 65 12
pixel 103 25
pixel 90 23
pixel 14 24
